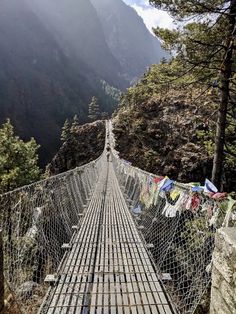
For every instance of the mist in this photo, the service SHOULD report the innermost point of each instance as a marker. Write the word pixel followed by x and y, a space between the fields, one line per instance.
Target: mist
pixel 55 55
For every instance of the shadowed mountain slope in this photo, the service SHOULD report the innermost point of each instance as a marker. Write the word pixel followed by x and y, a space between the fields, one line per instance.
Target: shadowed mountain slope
pixel 127 37
pixel 40 86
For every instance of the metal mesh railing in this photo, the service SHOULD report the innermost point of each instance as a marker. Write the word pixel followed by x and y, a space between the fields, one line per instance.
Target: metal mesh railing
pixel 36 221
pixel 180 225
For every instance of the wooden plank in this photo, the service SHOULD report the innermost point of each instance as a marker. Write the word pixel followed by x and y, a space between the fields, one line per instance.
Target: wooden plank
pixel 149 266
pixel 108 267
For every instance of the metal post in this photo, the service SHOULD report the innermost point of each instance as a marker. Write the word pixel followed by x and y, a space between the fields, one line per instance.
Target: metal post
pixel 1 274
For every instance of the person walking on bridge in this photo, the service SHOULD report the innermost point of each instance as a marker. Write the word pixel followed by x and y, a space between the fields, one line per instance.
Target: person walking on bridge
pixel 108 149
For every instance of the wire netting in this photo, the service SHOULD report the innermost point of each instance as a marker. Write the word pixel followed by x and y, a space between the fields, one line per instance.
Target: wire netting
pixel 180 225
pixel 177 224
pixel 36 221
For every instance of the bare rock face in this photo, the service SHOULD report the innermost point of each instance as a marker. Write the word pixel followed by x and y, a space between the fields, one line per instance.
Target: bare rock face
pixel 223 292
pixel 84 144
pixel 163 136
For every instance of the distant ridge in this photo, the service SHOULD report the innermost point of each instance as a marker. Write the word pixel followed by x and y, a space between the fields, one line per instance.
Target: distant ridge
pixel 128 37
pixel 56 54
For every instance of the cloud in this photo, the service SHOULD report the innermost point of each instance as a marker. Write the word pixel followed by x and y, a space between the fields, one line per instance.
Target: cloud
pixel 150 15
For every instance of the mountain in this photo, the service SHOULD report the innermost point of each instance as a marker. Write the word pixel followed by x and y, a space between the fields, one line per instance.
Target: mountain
pixel 107 35
pixel 128 38
pixel 169 129
pixel 79 32
pixel 84 144
pixel 40 86
pixel 56 54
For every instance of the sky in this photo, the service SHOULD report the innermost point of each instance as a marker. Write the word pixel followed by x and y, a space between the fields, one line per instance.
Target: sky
pixel 150 15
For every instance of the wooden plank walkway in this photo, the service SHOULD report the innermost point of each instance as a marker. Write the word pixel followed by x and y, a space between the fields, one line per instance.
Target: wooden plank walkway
pixel 108 269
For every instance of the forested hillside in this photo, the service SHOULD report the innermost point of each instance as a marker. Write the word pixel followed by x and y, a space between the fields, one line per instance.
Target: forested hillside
pixel 81 144
pixel 180 117
pixel 39 84
pixel 54 57
pixel 168 129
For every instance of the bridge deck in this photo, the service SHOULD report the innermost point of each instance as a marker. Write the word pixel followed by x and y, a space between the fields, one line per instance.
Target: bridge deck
pixel 108 269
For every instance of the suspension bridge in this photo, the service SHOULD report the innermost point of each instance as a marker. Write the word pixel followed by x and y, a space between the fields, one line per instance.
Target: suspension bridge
pixel 107 238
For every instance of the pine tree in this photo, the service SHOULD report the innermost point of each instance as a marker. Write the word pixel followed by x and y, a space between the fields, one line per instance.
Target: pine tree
pixel 65 132
pixel 93 109
pixel 18 160
pixel 206 48
pixel 75 124
pixel 104 115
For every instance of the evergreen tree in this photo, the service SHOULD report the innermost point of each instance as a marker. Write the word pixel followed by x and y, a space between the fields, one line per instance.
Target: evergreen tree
pixel 65 132
pixel 93 109
pixel 75 124
pixel 104 115
pixel 18 160
pixel 207 49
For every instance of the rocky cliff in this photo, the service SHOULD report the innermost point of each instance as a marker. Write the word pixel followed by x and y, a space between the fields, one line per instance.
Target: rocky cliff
pixel 166 124
pixel 223 291
pixel 160 136
pixel 85 143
